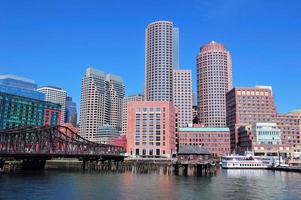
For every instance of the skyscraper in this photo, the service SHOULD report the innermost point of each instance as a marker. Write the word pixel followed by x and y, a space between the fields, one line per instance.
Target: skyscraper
pixel 161 57
pixel 115 94
pixel 101 102
pixel 214 80
pixel 182 96
pixel 71 112
pixel 55 95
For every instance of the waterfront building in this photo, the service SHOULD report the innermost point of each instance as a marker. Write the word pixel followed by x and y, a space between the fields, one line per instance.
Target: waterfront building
pixel 182 96
pixel 214 80
pixel 193 154
pixel 257 138
pixel 101 102
pixel 18 111
pixel 151 129
pixel 161 57
pixel 216 140
pixel 71 112
pixel 290 126
pixel 55 95
pixel 135 97
pixel 247 106
pixel 20 86
pixel 105 133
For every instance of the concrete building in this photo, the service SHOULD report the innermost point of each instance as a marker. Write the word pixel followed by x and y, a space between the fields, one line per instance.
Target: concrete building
pixel 216 140
pixel 182 96
pixel 161 57
pixel 214 80
pixel 135 97
pixel 247 106
pixel 71 112
pixel 18 111
pixel 55 95
pixel 20 86
pixel 151 129
pixel 101 102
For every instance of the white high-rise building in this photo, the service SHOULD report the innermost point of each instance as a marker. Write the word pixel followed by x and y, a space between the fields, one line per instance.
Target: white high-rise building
pixel 161 57
pixel 136 97
pixel 101 102
pixel 55 95
pixel 182 96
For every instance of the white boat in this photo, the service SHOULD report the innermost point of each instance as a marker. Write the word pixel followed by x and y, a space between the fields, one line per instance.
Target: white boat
pixel 243 162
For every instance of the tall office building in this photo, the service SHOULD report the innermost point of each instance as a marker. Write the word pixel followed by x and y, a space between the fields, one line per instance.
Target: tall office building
pixel 135 97
pixel 115 94
pixel 182 96
pixel 71 112
pixel 101 102
pixel 247 106
pixel 161 57
pixel 55 95
pixel 214 80
pixel 20 86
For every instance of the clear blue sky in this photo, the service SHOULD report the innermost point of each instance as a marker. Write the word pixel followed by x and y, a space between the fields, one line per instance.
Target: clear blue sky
pixel 53 42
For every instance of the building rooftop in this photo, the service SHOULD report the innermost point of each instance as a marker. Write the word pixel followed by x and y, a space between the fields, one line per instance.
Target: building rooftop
pixel 193 150
pixel 295 111
pixel 19 78
pixel 50 86
pixel 203 129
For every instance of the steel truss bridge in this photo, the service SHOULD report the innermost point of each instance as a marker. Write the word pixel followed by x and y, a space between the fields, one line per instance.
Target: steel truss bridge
pixel 45 142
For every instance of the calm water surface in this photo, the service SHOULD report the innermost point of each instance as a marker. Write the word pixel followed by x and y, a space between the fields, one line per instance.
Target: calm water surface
pixel 227 184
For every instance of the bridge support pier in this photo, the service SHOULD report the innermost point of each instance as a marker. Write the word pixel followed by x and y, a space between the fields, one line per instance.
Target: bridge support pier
pixel 33 164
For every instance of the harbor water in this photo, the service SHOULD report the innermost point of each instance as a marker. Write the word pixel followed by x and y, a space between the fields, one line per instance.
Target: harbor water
pixel 226 184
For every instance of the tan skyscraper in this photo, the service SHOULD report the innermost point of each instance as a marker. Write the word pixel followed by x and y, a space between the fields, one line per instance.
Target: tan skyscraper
pixel 182 96
pixel 214 80
pixel 101 102
pixel 161 57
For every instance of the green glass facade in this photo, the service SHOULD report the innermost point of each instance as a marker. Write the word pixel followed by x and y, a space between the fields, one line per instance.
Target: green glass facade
pixel 16 111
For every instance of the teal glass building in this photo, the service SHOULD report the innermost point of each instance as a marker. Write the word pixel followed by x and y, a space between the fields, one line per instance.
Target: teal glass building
pixel 18 111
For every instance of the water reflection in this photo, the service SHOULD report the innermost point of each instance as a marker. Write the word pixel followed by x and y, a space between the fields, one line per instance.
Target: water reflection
pixel 227 184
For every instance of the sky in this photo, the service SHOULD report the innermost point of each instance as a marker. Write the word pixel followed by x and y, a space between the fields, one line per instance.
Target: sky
pixel 53 42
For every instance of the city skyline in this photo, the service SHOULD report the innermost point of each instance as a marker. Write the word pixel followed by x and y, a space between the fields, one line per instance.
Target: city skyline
pixel 263 56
